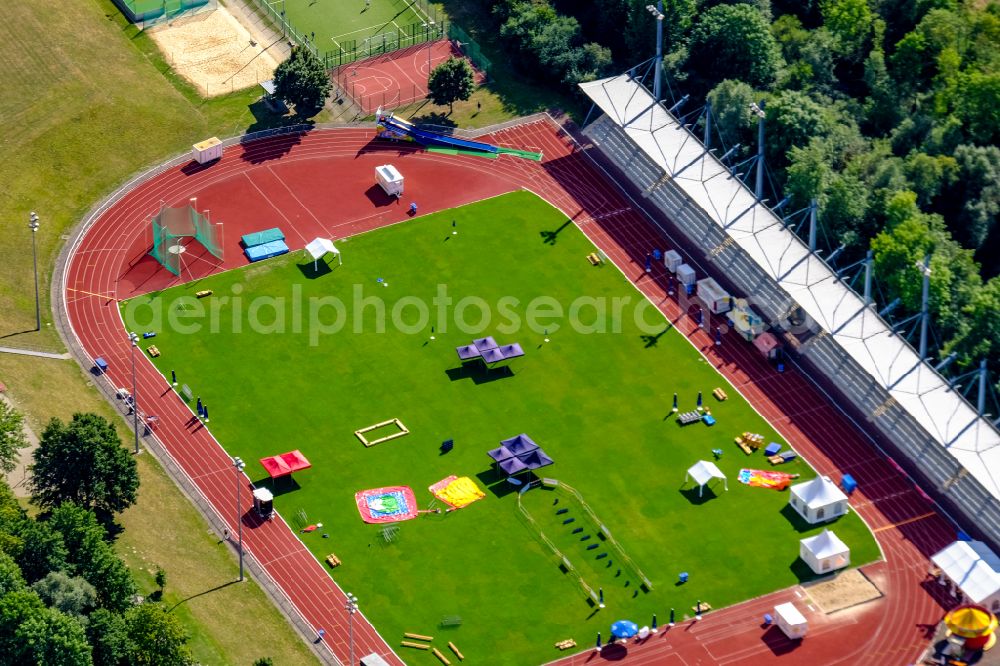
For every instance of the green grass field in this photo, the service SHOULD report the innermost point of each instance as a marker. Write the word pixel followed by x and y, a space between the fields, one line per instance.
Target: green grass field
pixel 599 404
pixel 340 22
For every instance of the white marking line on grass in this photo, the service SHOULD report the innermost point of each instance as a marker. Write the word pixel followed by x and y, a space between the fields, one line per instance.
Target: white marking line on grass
pixel 413 8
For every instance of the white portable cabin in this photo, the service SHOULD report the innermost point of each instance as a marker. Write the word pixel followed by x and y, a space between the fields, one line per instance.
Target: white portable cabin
pixel 713 296
pixel 672 259
pixel 389 179
pixel 790 620
pixel 207 150
pixel 686 275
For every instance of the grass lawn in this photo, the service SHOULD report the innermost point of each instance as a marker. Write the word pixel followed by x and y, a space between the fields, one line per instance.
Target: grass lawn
pixel 598 403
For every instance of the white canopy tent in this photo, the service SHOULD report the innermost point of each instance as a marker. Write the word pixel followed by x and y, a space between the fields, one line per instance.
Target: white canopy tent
pixel 704 471
pixel 824 552
pixel 319 248
pixel 818 500
pixel 974 569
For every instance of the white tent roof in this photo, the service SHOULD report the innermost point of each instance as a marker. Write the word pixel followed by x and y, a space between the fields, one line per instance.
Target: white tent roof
pixel 825 544
pixel 320 247
pixel 972 566
pixel 704 471
pixel 836 309
pixel 818 492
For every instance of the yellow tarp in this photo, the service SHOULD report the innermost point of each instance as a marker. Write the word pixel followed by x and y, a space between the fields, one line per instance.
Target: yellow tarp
pixel 458 492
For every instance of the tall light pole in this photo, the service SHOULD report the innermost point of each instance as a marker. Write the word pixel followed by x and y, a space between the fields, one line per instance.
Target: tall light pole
pixel 657 13
pixel 430 28
pixel 238 465
pixel 135 393
pixel 351 606
pixel 33 225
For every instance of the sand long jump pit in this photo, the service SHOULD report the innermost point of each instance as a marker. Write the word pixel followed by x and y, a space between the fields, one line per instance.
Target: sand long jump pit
pixel 217 53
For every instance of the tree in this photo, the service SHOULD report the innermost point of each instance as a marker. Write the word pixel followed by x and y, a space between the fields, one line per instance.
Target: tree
pixel 11 579
pixel 793 118
pixel 155 637
pixel 73 596
pixel 738 36
pixel 263 661
pixel 110 577
pixel 586 63
pixel 53 638
pixel 850 22
pixel 30 633
pixel 303 81
pixel 108 639
pixel 731 113
pixel 42 550
pixel 84 462
pixel 12 436
pixel 160 577
pixel 451 81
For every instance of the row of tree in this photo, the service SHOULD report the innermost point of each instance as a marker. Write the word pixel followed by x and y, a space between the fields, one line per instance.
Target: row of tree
pixel 887 112
pixel 66 597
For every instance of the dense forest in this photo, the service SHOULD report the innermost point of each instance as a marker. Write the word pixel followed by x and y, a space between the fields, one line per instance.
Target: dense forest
pixel 887 112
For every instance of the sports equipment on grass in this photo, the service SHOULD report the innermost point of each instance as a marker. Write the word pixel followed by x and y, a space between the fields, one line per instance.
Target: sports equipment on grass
pixel 386 505
pixel 170 225
pixel 360 434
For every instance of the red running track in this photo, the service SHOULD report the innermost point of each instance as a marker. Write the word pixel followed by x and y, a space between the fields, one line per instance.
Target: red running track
pixel 320 183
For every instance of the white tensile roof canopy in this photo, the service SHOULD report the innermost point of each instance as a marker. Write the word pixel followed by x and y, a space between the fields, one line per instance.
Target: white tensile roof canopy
pixel 972 566
pixel 704 471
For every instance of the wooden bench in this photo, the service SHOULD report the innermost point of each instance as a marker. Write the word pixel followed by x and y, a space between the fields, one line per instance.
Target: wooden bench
pixel 720 395
pixel 333 561
pixel 440 655
pixel 419 646
pixel 419 637
pixel 454 649
pixel 566 644
pixel 744 446
pixel 704 607
pixel 153 351
pixel 203 293
pixel 594 259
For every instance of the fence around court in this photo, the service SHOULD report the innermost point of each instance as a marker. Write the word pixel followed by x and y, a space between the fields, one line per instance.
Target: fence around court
pixel 382 43
pixel 469 49
pixel 146 13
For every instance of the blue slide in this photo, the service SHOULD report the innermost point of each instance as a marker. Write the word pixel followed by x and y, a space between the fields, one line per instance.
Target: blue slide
pixel 432 138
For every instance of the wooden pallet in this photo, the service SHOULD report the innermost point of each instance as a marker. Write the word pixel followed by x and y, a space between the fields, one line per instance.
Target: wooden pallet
pixel 333 561
pixel 566 644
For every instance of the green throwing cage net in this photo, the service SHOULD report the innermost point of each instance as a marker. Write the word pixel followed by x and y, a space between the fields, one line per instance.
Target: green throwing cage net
pixel 170 225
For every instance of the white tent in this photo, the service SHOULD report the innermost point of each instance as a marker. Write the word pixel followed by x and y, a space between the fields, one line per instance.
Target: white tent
pixel 704 471
pixel 974 569
pixel 818 500
pixel 824 552
pixel 320 247
pixel 790 620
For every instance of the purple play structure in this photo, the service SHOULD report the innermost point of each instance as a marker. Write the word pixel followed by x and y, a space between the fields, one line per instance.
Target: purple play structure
pixel 489 352
pixel 518 454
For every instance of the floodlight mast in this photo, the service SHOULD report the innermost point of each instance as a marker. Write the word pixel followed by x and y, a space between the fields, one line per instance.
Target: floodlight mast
pixel 657 13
